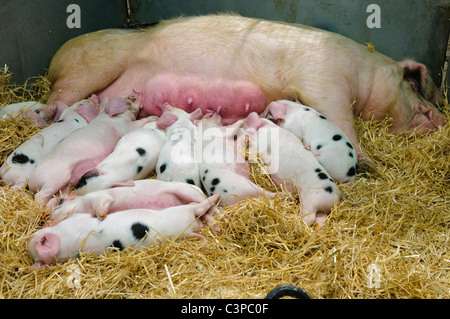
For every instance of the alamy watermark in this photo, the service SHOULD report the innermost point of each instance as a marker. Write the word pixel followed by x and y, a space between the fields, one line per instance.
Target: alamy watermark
pixel 222 145
pixel 374 276
pixel 74 18
pixel 73 280
pixel 374 19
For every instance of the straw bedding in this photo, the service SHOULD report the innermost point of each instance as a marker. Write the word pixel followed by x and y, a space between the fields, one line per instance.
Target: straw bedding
pixel 388 238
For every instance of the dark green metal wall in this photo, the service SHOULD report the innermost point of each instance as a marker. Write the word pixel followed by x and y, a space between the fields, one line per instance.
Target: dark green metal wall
pixel 32 30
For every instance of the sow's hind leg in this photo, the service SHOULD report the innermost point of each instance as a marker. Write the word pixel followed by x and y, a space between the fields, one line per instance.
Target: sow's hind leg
pixel 82 66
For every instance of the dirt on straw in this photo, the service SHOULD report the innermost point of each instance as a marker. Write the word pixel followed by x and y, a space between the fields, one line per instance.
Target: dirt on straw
pixel 388 238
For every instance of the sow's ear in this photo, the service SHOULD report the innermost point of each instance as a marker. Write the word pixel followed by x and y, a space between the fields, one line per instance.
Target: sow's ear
pixel 420 80
pixel 415 73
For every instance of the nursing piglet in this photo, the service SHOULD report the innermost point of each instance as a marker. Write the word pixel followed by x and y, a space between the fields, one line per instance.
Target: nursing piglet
pixel 327 142
pixel 20 164
pixel 41 113
pixel 288 162
pixel 177 160
pixel 133 158
pixel 146 193
pixel 130 228
pixel 84 149
pixel 223 170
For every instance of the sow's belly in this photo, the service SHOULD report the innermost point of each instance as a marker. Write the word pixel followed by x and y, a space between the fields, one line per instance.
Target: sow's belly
pixel 232 99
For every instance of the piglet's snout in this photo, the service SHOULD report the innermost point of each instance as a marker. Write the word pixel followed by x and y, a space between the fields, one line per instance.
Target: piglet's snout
pixel 45 248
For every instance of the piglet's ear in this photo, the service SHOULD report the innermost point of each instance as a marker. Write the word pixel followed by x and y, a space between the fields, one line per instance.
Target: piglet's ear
pixel 166 120
pixel 196 115
pixel 253 122
pixel 94 99
pixel 59 109
pixel 116 106
pixel 416 74
pixel 88 111
pixel 33 116
pixel 277 110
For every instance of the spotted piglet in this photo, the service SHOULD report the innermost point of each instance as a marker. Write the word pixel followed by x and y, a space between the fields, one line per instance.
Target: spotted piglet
pixel 129 228
pixel 20 164
pixel 133 158
pixel 327 142
pixel 223 170
pixel 84 149
pixel 33 110
pixel 146 193
pixel 177 160
pixel 290 164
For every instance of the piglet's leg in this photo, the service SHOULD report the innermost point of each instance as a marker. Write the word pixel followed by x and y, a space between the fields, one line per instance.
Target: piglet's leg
pixel 43 196
pixel 209 221
pixel 195 235
pixel 101 204
pixel 51 204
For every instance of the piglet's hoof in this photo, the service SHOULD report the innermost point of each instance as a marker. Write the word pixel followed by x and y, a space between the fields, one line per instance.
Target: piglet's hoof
pixel 101 214
pixel 287 291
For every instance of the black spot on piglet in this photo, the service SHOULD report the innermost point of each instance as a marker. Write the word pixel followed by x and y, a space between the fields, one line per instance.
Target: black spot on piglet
pixel 162 168
pixel 22 159
pixel 117 244
pixel 328 189
pixel 215 181
pixel 337 137
pixel 140 151
pixel 83 180
pixel 351 171
pixel 322 175
pixel 322 117
pixel 139 230
pixel 190 181
pixel 139 169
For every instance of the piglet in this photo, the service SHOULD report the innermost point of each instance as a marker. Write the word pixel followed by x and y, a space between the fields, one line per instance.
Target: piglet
pixel 84 149
pixel 39 112
pixel 223 170
pixel 146 193
pixel 20 164
pixel 129 228
pixel 326 141
pixel 133 158
pixel 290 164
pixel 177 160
